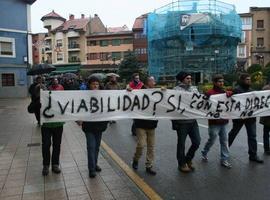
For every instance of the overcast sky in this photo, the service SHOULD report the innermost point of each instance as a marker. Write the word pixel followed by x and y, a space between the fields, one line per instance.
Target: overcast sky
pixel 114 12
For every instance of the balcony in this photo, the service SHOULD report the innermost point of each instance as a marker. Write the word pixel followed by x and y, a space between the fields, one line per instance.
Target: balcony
pixel 74 60
pixel 260 47
pixel 74 47
pixel 48 50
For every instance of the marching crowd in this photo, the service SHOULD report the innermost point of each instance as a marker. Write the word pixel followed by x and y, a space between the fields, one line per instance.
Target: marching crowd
pixel 144 130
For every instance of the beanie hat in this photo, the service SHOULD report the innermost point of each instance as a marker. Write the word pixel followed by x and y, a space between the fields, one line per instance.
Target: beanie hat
pixel 182 75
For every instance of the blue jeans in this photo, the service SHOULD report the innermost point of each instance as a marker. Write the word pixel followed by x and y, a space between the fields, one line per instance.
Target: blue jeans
pixel 192 130
pixel 93 141
pixel 213 131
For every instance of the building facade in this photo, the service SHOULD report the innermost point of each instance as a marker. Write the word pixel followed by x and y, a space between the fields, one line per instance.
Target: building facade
pixel 244 47
pixel 38 48
pixel 260 49
pixel 65 44
pixel 106 50
pixel 140 39
pixel 15 47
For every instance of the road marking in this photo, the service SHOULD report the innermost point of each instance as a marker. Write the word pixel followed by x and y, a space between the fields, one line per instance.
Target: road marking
pixel 147 190
pixel 202 125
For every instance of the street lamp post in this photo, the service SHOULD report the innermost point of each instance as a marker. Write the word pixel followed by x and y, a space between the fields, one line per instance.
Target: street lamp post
pixel 216 67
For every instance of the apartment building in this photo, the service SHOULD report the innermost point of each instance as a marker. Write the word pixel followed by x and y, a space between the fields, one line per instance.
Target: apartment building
pixel 38 48
pixel 66 39
pixel 244 47
pixel 260 47
pixel 106 50
pixel 140 39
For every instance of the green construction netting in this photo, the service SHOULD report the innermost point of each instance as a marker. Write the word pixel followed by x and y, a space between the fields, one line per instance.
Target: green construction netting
pixel 192 35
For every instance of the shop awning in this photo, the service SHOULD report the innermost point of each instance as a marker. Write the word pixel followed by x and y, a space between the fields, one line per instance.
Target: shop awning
pixel 65 69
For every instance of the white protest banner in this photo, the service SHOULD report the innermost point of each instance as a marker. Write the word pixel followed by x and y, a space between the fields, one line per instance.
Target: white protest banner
pixel 105 105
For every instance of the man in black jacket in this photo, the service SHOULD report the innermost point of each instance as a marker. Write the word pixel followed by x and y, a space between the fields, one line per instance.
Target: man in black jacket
pixel 145 131
pixel 250 123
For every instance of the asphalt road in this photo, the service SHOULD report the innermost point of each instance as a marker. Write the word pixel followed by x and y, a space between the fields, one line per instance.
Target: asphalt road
pixel 210 181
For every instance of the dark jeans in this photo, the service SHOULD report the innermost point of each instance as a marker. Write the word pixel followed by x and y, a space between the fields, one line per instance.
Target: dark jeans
pixel 37 114
pixel 54 136
pixel 251 134
pixel 266 131
pixel 192 130
pixel 93 143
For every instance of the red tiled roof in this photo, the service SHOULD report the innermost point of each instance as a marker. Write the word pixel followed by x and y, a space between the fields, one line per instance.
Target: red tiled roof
pixel 53 15
pixel 138 24
pixel 117 29
pixel 75 24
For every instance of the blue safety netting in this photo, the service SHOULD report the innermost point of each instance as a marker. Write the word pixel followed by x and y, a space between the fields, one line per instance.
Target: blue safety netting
pixel 192 35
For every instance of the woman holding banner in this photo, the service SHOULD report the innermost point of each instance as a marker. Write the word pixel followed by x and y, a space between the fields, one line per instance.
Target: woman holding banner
pixel 93 132
pixel 184 128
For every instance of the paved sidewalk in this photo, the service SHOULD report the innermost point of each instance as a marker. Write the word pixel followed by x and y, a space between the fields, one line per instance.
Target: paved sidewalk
pixel 21 163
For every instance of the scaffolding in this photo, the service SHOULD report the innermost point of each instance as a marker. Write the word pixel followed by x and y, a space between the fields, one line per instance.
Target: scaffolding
pixel 199 36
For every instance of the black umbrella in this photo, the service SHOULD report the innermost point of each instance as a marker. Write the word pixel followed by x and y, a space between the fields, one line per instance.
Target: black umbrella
pixel 41 69
pixel 100 76
pixel 70 75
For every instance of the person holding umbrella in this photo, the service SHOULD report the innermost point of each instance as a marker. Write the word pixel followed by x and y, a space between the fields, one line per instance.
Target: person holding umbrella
pixel 112 84
pixel 34 91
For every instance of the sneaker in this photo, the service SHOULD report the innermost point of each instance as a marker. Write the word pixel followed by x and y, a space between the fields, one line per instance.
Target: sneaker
pixel 204 157
pixel 226 164
pixel 190 165
pixel 98 168
pixel 92 174
pixel 45 170
pixel 184 168
pixel 256 159
pixel 135 164
pixel 56 169
pixel 150 171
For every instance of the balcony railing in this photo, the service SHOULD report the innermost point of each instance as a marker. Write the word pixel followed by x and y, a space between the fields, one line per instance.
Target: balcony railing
pixel 73 46
pixel 74 60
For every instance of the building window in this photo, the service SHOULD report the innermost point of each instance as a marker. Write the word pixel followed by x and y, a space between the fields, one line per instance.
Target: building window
pixel 241 51
pixel 127 41
pixel 59 57
pixel 243 37
pixel 260 24
pixel 104 43
pixel 140 51
pixel 104 56
pixel 246 21
pixel 116 55
pixel 7 47
pixel 116 42
pixel 139 35
pixel 92 43
pixel 59 43
pixel 92 56
pixel 8 80
pixel 260 42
